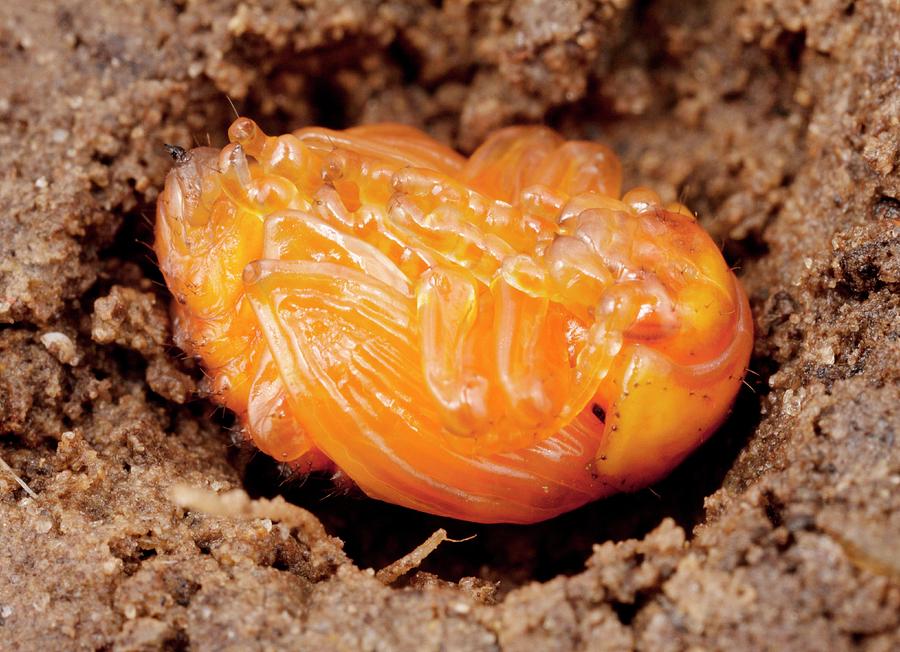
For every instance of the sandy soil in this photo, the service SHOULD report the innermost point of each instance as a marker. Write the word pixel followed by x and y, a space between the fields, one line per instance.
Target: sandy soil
pixel 778 120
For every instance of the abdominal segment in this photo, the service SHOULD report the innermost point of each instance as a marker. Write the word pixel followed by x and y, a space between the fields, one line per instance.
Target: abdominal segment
pixel 498 339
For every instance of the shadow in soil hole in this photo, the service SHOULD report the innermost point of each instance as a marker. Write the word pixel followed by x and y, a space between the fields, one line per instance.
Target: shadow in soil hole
pixel 376 533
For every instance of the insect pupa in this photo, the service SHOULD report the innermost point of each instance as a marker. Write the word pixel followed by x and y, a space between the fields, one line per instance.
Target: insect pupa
pixel 499 338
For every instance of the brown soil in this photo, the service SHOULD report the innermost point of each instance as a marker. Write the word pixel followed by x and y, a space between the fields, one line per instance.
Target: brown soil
pixel 778 120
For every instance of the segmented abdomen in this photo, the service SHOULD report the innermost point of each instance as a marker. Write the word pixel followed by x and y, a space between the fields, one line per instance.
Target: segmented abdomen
pixel 494 339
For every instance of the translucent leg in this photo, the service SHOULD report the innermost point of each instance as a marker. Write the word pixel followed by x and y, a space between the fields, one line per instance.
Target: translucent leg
pixel 448 309
pixel 532 353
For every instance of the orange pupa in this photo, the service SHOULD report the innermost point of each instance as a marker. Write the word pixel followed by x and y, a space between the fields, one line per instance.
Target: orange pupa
pixel 497 339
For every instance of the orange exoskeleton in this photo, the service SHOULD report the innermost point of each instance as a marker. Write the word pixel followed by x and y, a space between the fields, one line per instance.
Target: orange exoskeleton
pixel 498 339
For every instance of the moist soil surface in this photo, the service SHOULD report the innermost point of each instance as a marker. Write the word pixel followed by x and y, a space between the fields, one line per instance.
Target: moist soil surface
pixel 778 121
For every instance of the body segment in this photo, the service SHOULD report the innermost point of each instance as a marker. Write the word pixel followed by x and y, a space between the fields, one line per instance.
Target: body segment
pixel 498 339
